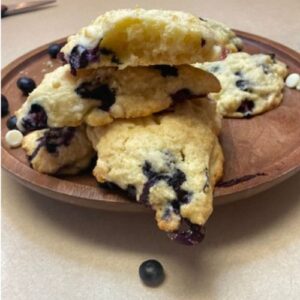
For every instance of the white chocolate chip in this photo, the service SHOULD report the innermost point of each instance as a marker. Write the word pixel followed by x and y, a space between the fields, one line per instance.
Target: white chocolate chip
pixel 14 138
pixel 292 80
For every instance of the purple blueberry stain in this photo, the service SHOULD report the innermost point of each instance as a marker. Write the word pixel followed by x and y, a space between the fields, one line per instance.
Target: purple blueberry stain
pixel 188 234
pixel 97 91
pixel 35 119
pixel 166 70
pixel 53 139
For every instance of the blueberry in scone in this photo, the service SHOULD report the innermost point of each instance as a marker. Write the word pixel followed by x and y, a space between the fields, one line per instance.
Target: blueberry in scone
pixel 251 84
pixel 139 37
pixel 171 160
pixel 97 97
pixel 58 150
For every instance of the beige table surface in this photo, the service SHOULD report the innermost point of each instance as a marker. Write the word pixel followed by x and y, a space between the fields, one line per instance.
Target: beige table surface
pixel 52 250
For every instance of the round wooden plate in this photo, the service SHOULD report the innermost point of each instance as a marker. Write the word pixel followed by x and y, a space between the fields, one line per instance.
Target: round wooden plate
pixel 259 152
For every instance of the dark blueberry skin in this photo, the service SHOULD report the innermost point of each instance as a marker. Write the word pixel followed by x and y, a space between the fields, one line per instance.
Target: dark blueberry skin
pixel 12 123
pixel 166 70
pixel 246 108
pixel 4 106
pixel 26 85
pixel 99 92
pixel 203 43
pixel 53 50
pixel 35 119
pixel 243 85
pixel 151 272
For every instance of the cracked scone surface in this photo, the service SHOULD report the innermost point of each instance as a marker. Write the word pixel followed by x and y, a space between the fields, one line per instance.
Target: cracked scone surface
pixel 58 150
pixel 225 36
pixel 139 37
pixel 97 97
pixel 170 161
pixel 251 84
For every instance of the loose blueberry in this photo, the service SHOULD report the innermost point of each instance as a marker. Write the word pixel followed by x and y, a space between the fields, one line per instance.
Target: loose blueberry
pixel 166 70
pixel 26 85
pixel 4 106
pixel 53 50
pixel 151 272
pixel 12 122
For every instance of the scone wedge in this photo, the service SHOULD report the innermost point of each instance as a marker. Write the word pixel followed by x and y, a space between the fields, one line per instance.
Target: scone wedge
pixel 169 161
pixel 99 96
pixel 139 37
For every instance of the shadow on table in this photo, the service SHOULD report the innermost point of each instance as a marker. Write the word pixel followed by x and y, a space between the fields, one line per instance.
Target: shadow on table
pixel 239 222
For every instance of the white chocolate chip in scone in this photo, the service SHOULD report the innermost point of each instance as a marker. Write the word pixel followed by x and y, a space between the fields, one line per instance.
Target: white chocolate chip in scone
pixel 14 138
pixel 293 80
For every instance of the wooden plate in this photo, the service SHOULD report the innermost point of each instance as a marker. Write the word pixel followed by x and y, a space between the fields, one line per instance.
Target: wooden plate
pixel 259 152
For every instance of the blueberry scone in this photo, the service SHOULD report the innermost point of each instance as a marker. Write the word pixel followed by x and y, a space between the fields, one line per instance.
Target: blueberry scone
pixel 169 161
pixel 139 37
pixel 225 36
pixel 251 84
pixel 58 150
pixel 100 95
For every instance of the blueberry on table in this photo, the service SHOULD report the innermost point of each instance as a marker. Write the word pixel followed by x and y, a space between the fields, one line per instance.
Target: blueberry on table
pixel 151 272
pixel 26 85
pixel 12 122
pixel 4 106
pixel 53 50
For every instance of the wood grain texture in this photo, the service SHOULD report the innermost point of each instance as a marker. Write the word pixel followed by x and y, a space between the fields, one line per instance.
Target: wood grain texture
pixel 269 143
